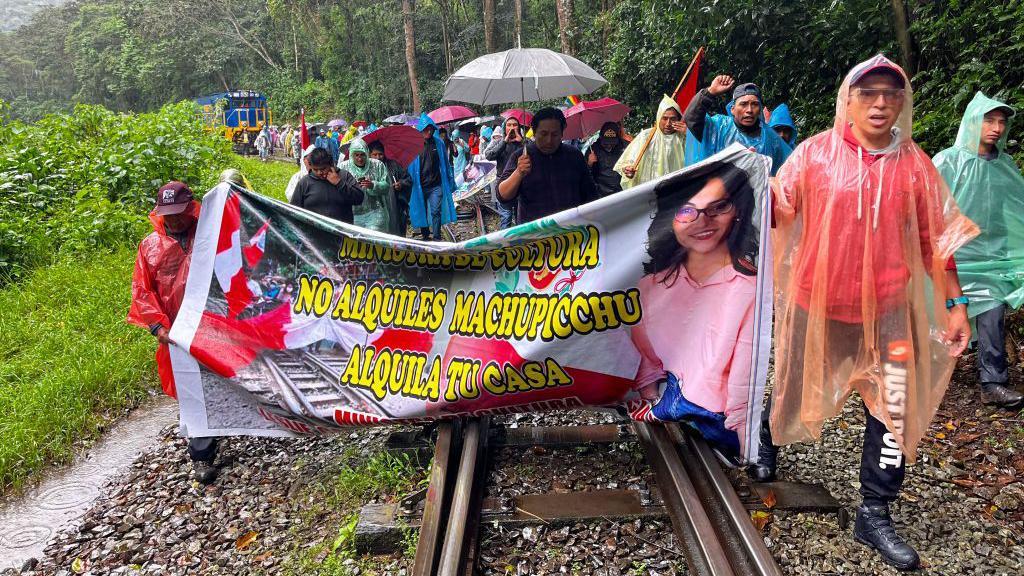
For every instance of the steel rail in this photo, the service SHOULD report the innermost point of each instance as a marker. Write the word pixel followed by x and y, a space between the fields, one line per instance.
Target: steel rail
pixel 747 540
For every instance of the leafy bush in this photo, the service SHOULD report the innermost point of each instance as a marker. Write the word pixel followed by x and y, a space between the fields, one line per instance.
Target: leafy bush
pixel 87 179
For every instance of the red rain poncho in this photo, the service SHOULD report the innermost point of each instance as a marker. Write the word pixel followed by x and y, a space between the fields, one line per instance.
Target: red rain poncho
pixel 861 252
pixel 158 287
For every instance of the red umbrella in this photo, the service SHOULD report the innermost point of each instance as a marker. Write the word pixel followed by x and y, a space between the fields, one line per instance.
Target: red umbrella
pixel 585 118
pixel 401 143
pixel 360 124
pixel 522 116
pixel 446 114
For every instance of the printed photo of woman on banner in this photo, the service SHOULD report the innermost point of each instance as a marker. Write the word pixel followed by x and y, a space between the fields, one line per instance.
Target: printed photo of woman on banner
pixel 696 360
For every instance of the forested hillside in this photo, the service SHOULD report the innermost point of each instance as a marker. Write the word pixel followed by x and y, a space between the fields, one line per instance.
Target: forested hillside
pixel 350 58
pixel 16 13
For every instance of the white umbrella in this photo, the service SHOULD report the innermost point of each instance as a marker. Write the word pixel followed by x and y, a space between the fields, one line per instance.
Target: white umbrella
pixel 521 75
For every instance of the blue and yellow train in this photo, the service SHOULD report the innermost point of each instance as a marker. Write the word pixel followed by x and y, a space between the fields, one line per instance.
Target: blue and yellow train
pixel 238 114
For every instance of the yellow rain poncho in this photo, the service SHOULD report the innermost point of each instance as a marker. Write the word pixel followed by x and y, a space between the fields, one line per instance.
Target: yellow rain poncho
pixel 990 193
pixel 861 250
pixel 665 154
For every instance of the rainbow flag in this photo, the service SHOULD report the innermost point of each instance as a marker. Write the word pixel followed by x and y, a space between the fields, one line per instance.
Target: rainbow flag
pixel 572 100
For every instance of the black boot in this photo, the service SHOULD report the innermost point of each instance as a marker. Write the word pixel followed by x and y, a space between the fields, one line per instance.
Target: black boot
pixel 204 472
pixel 1001 395
pixel 767 459
pixel 874 528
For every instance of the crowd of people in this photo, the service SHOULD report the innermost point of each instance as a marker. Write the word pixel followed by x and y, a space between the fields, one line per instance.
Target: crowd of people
pixel 868 235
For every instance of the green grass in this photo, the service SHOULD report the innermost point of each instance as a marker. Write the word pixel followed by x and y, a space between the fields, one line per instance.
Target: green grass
pixel 339 497
pixel 68 360
pixel 269 179
pixel 66 357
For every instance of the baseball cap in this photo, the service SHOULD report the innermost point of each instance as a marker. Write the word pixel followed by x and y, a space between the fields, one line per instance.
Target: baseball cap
pixel 748 89
pixel 877 64
pixel 173 198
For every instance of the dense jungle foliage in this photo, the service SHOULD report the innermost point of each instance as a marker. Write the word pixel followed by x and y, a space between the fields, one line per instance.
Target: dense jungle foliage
pixel 348 58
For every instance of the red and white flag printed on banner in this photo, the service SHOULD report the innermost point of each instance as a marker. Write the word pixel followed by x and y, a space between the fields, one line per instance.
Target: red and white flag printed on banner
pixel 257 245
pixel 356 327
pixel 227 264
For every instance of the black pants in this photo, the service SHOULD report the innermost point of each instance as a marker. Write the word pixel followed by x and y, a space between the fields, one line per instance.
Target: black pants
pixel 202 449
pixel 992 346
pixel 882 464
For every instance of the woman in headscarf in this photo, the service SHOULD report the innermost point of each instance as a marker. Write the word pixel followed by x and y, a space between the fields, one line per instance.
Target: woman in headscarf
pixel 665 153
pixel 375 211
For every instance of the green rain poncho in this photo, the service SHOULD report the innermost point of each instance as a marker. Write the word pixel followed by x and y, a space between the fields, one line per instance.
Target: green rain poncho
pixel 376 210
pixel 665 155
pixel 991 193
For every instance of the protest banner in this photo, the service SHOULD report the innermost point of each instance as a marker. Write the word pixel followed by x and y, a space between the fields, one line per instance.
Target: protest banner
pixel 330 325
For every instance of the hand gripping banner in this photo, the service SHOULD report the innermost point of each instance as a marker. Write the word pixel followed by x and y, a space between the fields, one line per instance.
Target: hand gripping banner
pixel 655 302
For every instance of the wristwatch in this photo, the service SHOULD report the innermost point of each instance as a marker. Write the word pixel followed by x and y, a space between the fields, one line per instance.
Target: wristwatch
pixel 950 302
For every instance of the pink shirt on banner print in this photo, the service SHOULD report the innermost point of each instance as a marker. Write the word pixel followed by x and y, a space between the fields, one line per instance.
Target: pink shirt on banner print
pixel 701 333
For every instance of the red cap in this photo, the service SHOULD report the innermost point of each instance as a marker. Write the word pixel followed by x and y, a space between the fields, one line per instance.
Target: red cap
pixel 877 64
pixel 173 198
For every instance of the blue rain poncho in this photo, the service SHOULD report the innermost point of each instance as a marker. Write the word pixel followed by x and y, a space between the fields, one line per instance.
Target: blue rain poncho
pixel 377 208
pixel 991 193
pixel 720 131
pixel 419 216
pixel 461 151
pixel 782 117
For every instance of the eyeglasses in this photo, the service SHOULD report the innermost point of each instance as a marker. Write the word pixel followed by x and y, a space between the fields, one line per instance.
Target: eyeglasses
pixel 687 213
pixel 889 95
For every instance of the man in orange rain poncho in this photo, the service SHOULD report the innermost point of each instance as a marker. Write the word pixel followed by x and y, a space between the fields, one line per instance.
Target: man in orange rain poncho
pixel 866 229
pixel 158 287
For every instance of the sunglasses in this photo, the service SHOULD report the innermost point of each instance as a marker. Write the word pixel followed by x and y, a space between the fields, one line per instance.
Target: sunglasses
pixel 889 95
pixel 688 213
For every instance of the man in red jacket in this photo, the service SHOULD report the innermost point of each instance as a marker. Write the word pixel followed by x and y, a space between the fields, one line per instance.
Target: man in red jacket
pixel 158 287
pixel 867 296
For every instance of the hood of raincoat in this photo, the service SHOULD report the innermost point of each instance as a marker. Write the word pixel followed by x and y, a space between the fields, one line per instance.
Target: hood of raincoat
pixel 419 216
pixel 665 105
pixel 486 132
pixel 424 122
pixel 990 193
pixel 861 248
pixel 781 117
pixel 969 135
pixel 665 154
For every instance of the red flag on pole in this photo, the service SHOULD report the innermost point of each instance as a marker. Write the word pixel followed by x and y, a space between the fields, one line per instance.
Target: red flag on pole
pixel 690 82
pixel 303 133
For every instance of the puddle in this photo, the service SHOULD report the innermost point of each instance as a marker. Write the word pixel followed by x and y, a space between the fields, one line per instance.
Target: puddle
pixel 28 522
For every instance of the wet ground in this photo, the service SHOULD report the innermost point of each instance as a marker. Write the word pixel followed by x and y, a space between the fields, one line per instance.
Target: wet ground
pixel 28 521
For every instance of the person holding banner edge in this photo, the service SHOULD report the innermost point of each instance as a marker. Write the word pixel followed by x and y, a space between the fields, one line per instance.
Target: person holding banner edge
pixel 158 288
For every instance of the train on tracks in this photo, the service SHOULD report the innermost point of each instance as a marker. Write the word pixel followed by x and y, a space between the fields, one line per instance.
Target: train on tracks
pixel 238 115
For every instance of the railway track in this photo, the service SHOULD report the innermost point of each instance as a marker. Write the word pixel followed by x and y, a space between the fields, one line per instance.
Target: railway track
pixel 709 519
pixel 307 384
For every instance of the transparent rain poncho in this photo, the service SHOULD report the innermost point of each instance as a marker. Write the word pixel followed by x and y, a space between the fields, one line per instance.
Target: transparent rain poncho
pixel 665 154
pixel 861 250
pixel 377 207
pixel 990 193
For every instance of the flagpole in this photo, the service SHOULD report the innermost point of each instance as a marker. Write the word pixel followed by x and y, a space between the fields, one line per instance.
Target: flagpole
pixel 679 87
